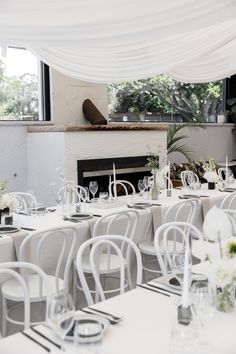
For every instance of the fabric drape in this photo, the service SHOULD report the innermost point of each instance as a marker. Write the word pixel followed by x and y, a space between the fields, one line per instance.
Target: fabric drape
pixel 117 40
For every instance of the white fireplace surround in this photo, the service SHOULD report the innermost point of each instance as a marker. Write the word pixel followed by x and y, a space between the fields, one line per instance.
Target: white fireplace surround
pixel 49 150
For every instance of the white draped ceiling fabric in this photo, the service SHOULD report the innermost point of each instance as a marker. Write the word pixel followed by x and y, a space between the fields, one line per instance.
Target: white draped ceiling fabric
pixel 118 40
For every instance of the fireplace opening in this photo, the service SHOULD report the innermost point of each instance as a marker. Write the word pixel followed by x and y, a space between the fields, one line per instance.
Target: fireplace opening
pixel 131 169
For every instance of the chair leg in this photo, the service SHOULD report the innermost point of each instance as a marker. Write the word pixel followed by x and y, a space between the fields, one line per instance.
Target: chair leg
pixel 4 319
pixel 74 286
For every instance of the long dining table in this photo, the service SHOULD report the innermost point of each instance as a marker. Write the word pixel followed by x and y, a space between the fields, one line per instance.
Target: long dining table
pixel 148 320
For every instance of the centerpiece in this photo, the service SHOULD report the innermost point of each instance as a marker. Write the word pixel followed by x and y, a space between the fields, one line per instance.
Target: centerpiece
pixel 153 163
pixel 210 173
pixel 8 202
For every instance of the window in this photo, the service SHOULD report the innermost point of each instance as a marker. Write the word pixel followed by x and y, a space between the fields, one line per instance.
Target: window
pixel 24 86
pixel 162 99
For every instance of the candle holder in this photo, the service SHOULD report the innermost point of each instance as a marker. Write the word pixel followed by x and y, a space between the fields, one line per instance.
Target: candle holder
pixel 168 193
pixel 184 315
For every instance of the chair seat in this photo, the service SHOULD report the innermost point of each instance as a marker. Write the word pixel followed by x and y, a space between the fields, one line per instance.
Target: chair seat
pixel 12 290
pixel 114 263
pixel 147 247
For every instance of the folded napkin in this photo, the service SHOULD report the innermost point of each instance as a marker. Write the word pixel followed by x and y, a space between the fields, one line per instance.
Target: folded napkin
pixel 18 238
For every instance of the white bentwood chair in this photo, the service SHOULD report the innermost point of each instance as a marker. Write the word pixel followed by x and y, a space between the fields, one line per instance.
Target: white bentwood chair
pixel 171 238
pixel 26 201
pixel 185 212
pixel 123 222
pixel 188 178
pixel 71 193
pixel 229 201
pixel 19 287
pixel 57 246
pixel 123 183
pixel 122 248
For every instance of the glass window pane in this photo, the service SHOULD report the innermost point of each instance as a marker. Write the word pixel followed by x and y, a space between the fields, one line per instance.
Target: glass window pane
pixel 19 85
pixel 162 99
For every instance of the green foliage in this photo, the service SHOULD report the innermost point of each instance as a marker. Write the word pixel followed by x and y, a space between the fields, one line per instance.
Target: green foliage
pixel 18 95
pixel 162 94
pixel 175 138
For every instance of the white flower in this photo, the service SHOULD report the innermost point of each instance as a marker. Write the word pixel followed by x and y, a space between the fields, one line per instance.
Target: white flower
pixel 222 272
pixel 217 224
pixel 211 176
pixel 8 201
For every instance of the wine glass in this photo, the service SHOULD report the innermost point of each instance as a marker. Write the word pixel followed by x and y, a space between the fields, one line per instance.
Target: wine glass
pixel 61 314
pixel 141 186
pixel 178 266
pixel 88 335
pixel 203 309
pixel 93 187
pixel 84 193
pixel 146 182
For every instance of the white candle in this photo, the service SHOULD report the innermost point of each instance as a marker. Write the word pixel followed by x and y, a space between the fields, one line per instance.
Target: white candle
pixel 185 293
pixel 109 187
pixel 114 180
pixel 168 176
pixel 226 168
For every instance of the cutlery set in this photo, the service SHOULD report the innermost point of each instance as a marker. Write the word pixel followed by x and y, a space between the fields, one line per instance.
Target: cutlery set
pixel 111 318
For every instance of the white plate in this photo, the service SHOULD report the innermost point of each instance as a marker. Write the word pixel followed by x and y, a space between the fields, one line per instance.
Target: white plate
pixel 144 205
pixel 104 322
pixel 81 216
pixel 8 229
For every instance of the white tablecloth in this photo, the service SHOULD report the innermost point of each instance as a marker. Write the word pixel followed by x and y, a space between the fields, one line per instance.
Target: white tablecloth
pixel 146 328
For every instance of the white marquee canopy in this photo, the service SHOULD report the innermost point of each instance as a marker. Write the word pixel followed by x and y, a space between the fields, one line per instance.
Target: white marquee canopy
pixel 117 40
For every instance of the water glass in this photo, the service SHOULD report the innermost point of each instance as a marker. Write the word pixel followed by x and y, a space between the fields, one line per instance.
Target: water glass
pixel 88 336
pixel 93 187
pixel 178 266
pixel 141 186
pixel 60 314
pixel 184 339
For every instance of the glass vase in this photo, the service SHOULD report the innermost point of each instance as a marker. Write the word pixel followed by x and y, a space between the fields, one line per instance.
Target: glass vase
pixel 225 297
pixel 155 190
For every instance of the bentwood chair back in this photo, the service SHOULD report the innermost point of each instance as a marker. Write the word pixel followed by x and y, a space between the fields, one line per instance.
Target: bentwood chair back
pixel 123 183
pixel 18 287
pixel 97 268
pixel 166 247
pixel 188 178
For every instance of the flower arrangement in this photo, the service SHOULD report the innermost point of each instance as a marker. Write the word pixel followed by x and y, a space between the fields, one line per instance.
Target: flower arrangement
pixel 230 247
pixel 222 276
pixel 210 171
pixel 8 201
pixel 152 160
pixel 3 187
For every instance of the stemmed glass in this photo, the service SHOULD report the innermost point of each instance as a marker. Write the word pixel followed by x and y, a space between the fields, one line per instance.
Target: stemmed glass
pixel 178 266
pixel 203 309
pixel 93 187
pixel 141 186
pixel 61 314
pixel 146 180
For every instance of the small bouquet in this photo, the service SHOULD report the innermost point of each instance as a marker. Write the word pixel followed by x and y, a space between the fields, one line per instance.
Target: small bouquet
pixel 210 171
pixel 8 201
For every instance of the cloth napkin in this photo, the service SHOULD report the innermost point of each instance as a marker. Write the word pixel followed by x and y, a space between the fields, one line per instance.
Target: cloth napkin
pixel 18 238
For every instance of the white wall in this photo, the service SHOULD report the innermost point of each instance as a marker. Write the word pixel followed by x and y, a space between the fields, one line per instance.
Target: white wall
pixel 68 95
pixel 214 141
pixel 46 152
pixel 13 157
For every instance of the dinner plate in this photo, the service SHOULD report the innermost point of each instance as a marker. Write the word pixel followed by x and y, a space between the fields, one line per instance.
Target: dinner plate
pixel 174 283
pixel 7 229
pixel 143 204
pixel 81 216
pixel 88 318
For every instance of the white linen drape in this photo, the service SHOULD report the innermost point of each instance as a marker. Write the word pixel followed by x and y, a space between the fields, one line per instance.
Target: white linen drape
pixel 116 40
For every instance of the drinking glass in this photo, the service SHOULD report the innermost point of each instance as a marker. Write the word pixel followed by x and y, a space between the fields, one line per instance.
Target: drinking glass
pixel 61 314
pixel 141 186
pixel 178 265
pixel 88 336
pixel 146 182
pixel 84 193
pixel 93 187
pixel 184 339
pixel 204 310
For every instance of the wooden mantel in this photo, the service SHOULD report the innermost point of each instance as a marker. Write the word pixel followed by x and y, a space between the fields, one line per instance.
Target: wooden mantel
pixel 109 127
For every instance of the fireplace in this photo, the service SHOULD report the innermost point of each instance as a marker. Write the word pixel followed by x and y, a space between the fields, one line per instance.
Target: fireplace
pixel 127 168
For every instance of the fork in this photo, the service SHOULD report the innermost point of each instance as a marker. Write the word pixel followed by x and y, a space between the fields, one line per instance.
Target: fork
pixel 116 318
